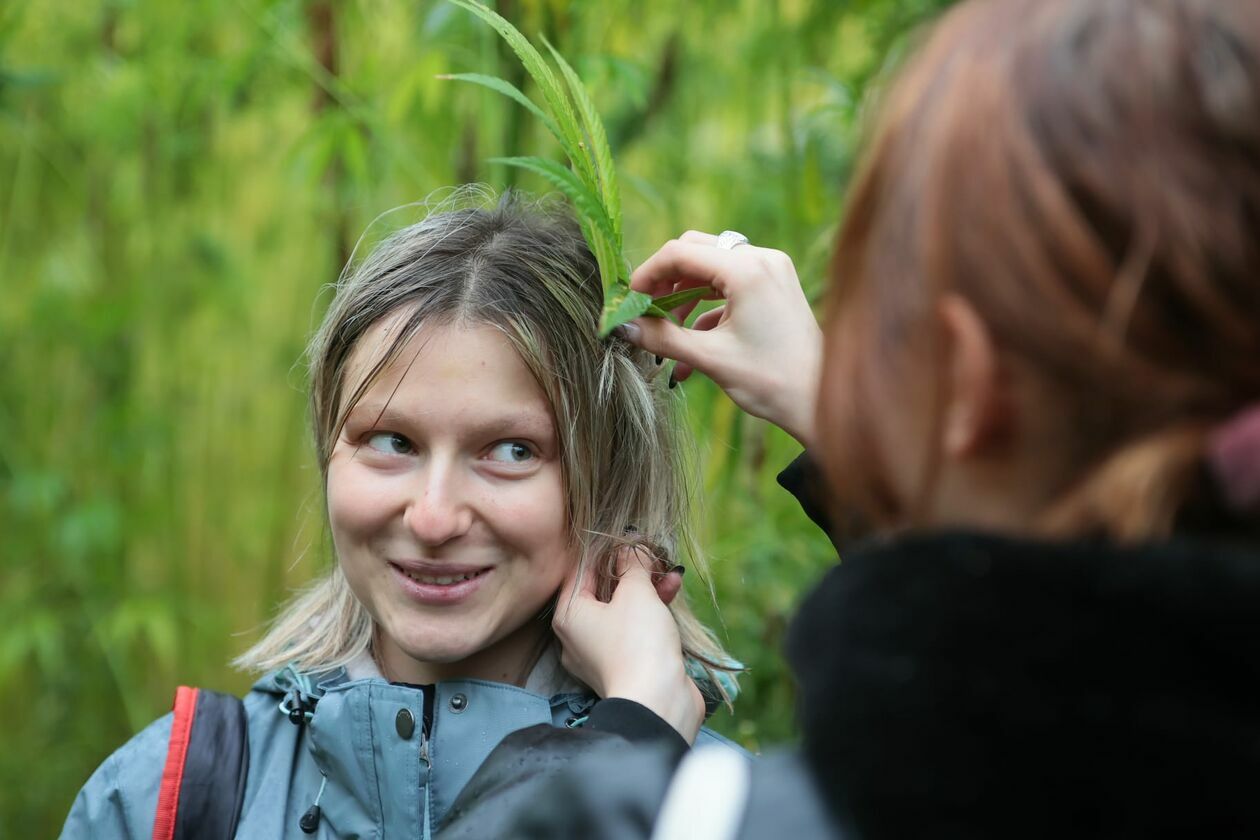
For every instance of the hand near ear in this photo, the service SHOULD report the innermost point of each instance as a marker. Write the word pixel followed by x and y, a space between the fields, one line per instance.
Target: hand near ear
pixel 629 647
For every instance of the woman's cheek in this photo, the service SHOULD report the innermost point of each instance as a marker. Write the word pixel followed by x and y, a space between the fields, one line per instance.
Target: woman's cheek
pixel 536 514
pixel 357 498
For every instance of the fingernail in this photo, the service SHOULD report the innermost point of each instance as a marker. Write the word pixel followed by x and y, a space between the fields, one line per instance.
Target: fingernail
pixel 673 383
pixel 680 568
pixel 660 359
pixel 628 332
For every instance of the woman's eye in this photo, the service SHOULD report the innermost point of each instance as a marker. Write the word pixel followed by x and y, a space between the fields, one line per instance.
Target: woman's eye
pixel 391 443
pixel 511 452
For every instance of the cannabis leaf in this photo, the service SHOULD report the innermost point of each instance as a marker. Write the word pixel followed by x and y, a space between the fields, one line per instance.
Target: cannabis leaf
pixel 590 180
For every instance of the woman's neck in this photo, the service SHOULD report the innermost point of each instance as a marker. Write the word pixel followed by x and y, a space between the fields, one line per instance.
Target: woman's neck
pixel 507 660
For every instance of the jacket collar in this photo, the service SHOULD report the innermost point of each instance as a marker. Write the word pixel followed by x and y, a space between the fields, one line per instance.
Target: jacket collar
pixel 383 772
pixel 982 685
pixel 548 677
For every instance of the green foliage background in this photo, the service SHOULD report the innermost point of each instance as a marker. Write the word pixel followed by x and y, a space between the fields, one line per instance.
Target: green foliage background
pixel 178 182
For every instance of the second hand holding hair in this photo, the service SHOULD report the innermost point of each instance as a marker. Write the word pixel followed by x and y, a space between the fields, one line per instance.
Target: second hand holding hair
pixel 646 665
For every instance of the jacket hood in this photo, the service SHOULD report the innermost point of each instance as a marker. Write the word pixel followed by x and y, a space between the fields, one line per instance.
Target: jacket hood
pixel 975 685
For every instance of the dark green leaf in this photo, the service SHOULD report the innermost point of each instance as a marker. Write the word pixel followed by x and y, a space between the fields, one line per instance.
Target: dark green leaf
pixel 672 301
pixel 621 306
pixel 598 138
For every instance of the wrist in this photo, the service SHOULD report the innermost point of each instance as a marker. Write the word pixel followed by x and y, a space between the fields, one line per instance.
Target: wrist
pixel 798 420
pixel 676 700
pixel 636 723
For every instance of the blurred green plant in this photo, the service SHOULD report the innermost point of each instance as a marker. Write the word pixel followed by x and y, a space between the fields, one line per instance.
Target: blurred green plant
pixel 179 182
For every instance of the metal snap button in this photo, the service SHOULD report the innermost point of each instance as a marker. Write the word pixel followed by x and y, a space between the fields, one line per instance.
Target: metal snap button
pixel 405 723
pixel 458 703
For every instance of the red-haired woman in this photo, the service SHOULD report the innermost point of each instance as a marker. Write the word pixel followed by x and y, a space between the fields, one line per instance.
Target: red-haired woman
pixel 1040 387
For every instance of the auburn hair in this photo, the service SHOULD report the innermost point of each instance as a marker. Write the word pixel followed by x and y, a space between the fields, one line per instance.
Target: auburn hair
pixel 1086 174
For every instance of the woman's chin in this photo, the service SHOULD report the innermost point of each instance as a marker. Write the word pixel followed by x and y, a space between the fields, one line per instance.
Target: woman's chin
pixel 431 655
pixel 430 652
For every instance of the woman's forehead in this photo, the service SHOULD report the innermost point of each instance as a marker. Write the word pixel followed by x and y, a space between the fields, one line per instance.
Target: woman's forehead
pixel 472 372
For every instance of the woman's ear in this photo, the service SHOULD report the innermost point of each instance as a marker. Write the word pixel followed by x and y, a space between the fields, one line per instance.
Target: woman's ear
pixel 977 412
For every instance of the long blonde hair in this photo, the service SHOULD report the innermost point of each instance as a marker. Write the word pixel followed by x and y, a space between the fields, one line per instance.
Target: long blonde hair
pixel 523 268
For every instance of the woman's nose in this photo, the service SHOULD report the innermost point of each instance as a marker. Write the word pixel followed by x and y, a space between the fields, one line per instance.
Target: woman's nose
pixel 438 510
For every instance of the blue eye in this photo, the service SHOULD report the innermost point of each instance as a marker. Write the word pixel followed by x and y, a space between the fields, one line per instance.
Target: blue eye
pixel 511 452
pixel 391 443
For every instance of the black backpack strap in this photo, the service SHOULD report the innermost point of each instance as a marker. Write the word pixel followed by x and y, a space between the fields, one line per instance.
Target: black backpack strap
pixel 203 784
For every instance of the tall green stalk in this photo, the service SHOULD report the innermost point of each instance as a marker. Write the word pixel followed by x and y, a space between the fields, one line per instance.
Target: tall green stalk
pixel 589 182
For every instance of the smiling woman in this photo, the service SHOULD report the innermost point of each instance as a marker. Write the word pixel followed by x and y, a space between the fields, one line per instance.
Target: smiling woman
pixel 471 330
pixel 447 507
pixel 479 446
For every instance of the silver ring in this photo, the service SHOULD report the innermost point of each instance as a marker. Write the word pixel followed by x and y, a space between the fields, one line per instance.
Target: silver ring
pixel 731 239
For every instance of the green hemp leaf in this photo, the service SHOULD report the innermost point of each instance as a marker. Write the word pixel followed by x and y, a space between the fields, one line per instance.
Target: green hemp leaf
pixel 589 182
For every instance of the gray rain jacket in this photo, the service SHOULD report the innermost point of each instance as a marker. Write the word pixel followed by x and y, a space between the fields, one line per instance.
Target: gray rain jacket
pixel 384 780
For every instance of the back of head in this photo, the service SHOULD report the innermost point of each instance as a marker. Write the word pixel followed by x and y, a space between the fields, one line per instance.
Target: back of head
pixel 1083 175
pixel 1086 174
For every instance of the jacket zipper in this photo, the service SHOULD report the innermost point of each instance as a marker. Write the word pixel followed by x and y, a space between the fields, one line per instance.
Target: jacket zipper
pixel 425 771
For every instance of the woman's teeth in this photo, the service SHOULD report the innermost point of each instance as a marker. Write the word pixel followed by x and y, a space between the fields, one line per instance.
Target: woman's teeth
pixel 443 580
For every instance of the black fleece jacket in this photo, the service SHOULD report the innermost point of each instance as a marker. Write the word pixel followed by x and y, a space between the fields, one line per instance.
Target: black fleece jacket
pixel 970 685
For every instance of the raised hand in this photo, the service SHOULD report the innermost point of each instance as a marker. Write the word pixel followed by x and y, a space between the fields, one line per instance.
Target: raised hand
pixel 763 347
pixel 629 647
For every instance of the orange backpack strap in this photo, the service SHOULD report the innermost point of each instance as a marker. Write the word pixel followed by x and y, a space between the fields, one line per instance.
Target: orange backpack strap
pixel 207 759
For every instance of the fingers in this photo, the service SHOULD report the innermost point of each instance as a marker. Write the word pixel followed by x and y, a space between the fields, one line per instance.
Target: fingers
pixel 699 237
pixel 683 264
pixel 579 586
pixel 668 586
pixel 639 571
pixel 634 561
pixel 635 570
pixel 681 372
pixel 683 312
pixel 706 321
pixel 665 338
pixel 709 319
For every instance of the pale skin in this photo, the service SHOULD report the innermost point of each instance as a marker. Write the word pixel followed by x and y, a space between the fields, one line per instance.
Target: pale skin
pixel 449 467
pixel 763 346
pixel 629 647
pixel 996 454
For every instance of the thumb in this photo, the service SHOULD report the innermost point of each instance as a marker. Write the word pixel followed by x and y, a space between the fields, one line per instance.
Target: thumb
pixel 663 337
pixel 578 586
pixel 634 573
pixel 668 586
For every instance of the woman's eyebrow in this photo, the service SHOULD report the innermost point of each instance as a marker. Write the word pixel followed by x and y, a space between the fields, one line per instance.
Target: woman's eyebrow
pixel 375 413
pixel 525 422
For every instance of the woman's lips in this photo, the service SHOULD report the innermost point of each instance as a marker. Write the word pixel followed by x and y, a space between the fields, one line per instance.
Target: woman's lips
pixel 439 585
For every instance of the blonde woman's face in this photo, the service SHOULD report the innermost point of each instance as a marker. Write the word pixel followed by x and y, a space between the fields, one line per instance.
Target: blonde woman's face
pixel 447 506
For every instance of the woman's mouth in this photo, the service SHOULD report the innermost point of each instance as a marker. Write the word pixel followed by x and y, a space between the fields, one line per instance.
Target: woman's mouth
pixel 442 580
pixel 439 586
